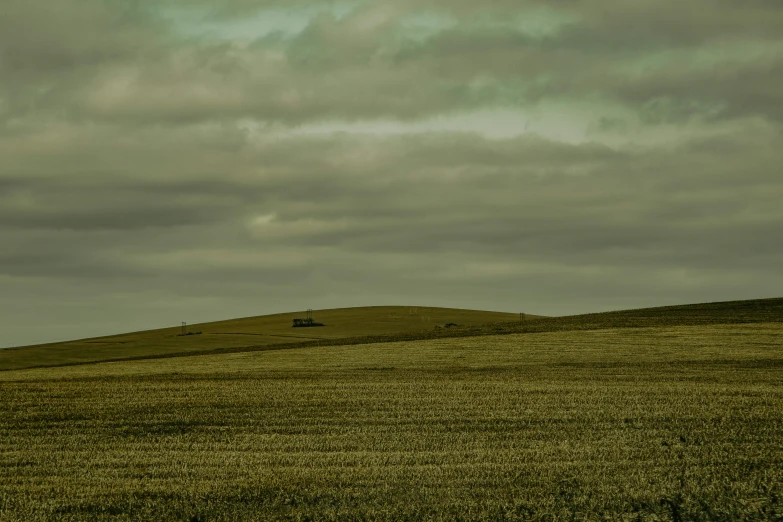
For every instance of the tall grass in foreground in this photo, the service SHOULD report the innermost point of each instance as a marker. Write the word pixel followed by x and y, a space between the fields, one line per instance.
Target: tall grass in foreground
pixel 634 424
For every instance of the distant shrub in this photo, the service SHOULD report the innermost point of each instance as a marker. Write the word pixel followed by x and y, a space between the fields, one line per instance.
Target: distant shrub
pixel 302 323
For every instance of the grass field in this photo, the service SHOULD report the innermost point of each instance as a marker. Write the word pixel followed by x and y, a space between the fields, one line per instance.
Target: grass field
pixel 257 332
pixel 633 423
pixel 370 325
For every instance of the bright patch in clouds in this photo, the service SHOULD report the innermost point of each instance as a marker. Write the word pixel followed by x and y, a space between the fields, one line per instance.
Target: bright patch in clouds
pixel 262 220
pixel 199 22
pixel 489 123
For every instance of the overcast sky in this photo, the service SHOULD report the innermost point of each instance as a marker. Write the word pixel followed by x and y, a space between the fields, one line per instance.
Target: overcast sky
pixel 193 160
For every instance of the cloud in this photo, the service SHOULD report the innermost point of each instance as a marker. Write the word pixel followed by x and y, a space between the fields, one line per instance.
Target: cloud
pixel 441 193
pixel 579 155
pixel 101 61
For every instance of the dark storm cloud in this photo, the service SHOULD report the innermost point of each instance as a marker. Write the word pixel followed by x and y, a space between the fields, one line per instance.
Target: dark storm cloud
pixel 668 64
pixel 48 52
pixel 685 206
pixel 519 197
pixel 122 62
pixel 98 203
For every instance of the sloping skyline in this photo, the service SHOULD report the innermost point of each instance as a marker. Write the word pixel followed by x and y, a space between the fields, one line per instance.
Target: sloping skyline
pixel 187 161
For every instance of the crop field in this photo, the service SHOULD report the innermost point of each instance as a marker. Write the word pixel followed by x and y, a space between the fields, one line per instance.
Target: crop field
pixel 672 422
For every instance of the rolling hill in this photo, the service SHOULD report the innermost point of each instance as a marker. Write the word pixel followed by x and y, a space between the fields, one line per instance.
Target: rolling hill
pixel 257 332
pixel 374 324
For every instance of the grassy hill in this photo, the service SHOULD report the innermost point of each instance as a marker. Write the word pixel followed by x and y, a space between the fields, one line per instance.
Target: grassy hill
pixel 375 324
pixel 257 332
pixel 726 312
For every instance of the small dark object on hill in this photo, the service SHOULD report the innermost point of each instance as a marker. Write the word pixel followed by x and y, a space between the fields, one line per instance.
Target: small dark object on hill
pixel 308 321
pixel 449 325
pixel 302 323
pixel 189 333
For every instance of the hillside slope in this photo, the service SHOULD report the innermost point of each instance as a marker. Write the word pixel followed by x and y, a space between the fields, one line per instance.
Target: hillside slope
pixel 756 311
pixel 350 326
pixel 261 331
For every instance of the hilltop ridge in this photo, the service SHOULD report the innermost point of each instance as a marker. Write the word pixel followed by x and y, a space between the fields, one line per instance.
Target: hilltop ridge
pixel 373 324
pixel 254 331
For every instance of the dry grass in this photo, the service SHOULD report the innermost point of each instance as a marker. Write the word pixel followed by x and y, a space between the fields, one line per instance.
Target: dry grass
pixel 373 325
pixel 258 332
pixel 668 423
